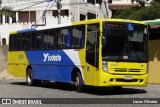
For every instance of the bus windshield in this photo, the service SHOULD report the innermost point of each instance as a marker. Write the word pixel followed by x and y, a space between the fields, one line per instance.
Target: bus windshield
pixel 125 42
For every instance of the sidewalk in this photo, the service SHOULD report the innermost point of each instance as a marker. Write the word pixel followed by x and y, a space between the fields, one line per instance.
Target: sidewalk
pixel 5 76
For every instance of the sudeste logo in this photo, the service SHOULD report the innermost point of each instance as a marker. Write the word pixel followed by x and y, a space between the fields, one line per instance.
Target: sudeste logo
pixel 54 58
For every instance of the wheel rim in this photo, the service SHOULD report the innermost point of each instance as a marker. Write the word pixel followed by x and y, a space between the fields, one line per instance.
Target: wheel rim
pixel 29 78
pixel 77 81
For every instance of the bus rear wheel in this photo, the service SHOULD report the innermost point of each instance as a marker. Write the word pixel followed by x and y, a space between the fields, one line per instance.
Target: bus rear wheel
pixel 29 78
pixel 78 82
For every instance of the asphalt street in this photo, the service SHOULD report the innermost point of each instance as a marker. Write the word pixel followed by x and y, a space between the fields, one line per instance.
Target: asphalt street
pixel 19 89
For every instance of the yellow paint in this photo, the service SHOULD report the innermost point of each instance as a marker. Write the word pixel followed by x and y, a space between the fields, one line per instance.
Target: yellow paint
pixel 13 32
pixel 92 76
pixel 97 77
pixel 105 77
pixel 100 20
pixel 17 63
pixel 105 80
pixel 127 66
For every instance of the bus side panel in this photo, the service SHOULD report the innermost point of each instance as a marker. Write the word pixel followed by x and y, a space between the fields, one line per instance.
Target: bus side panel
pixel 17 63
pixel 53 65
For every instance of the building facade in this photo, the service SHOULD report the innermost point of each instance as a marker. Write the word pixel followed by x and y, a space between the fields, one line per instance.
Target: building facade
pixel 44 12
pixel 31 12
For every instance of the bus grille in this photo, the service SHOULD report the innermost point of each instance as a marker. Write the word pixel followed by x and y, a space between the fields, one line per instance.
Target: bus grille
pixel 125 70
pixel 122 80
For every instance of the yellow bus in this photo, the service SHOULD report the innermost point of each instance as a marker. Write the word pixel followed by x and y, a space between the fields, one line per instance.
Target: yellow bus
pixel 97 52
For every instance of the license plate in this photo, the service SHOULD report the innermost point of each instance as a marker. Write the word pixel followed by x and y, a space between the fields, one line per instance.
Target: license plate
pixel 128 77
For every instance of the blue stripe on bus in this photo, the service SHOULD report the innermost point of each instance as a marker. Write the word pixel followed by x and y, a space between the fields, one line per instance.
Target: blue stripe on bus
pixel 53 65
pixel 26 30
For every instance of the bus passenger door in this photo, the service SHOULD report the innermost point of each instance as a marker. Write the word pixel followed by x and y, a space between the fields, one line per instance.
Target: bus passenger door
pixel 92 58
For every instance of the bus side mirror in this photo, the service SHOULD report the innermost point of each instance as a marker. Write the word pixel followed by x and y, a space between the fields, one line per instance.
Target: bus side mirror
pixel 104 42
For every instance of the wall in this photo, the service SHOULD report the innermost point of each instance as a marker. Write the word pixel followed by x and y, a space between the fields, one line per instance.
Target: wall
pixel 84 9
pixel 154 61
pixel 6 28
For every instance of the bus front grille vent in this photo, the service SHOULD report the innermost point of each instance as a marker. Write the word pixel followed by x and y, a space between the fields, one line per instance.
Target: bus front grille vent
pixel 126 70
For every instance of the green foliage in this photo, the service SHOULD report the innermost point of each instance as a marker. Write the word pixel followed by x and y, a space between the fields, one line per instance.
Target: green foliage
pixel 156 0
pixel 7 11
pixel 124 14
pixel 146 13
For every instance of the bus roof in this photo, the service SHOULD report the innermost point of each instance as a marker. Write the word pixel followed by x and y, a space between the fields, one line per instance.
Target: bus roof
pixel 106 19
pixel 76 23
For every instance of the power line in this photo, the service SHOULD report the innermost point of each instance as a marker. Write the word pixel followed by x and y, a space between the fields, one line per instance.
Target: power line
pixel 31 6
pixel 51 6
pixel 39 2
pixel 19 4
pixel 44 12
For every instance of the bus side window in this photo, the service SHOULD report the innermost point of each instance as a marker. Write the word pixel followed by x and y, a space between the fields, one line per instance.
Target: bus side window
pixel 37 41
pixel 48 42
pixel 58 39
pixel 19 42
pixel 51 39
pixel 12 43
pixel 63 38
pixel 77 39
pixel 33 42
pixel 26 41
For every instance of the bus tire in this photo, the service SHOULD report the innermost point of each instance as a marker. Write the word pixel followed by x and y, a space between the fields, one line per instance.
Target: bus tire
pixel 29 78
pixel 78 82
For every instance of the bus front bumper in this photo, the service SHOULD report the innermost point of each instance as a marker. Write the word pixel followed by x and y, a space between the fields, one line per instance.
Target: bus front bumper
pixel 124 80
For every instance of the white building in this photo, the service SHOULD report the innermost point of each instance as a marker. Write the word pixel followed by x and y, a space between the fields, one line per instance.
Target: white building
pixel 30 12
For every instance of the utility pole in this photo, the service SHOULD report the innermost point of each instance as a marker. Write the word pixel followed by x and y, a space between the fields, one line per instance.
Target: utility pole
pixel 0 3
pixel 59 6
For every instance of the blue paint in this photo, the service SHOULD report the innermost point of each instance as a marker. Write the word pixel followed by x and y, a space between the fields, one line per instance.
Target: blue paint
pixel 26 30
pixel 53 65
pixel 131 27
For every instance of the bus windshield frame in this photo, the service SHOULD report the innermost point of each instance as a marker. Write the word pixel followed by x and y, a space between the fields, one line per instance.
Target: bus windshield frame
pixel 125 42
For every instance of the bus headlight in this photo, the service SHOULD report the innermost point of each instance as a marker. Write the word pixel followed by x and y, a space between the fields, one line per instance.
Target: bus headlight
pixel 105 66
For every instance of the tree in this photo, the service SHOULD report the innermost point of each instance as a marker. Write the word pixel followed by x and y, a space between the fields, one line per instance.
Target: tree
pixel 156 0
pixel 147 13
pixel 7 11
pixel 144 13
pixel 124 14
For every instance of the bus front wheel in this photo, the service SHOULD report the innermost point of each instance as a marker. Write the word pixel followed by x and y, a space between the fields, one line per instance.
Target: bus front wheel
pixel 78 82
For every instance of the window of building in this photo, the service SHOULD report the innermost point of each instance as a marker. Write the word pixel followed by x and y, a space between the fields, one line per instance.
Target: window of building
pixel 6 19
pixel 1 19
pixel 91 15
pixel 82 17
pixel 63 13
